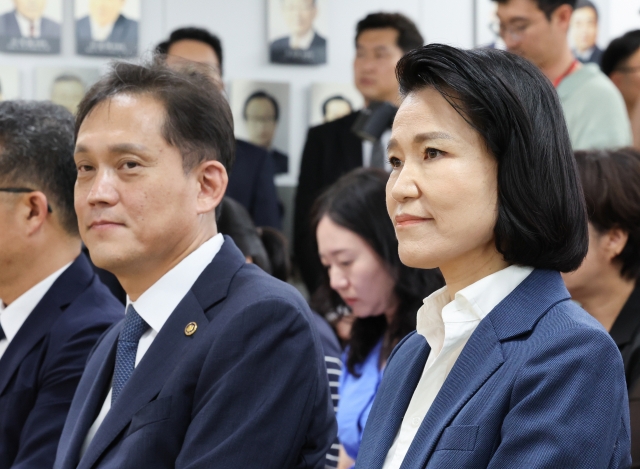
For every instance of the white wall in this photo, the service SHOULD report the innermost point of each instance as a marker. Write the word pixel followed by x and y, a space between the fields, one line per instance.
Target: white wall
pixel 241 24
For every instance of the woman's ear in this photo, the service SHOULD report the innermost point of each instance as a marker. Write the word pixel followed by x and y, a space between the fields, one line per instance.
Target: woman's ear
pixel 616 241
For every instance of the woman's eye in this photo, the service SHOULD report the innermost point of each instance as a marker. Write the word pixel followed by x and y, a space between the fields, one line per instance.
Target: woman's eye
pixel 346 263
pixel 432 153
pixel 394 162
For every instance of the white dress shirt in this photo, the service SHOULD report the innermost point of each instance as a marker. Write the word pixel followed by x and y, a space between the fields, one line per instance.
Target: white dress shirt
pixel 156 305
pixel 13 316
pixel 100 33
pixel 447 327
pixel 25 25
pixel 303 42
pixel 367 150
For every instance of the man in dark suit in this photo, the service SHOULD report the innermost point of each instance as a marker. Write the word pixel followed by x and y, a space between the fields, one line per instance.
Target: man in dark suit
pixel 53 308
pixel 251 182
pixel 584 32
pixel 106 31
pixel 27 21
pixel 332 149
pixel 217 363
pixel 304 45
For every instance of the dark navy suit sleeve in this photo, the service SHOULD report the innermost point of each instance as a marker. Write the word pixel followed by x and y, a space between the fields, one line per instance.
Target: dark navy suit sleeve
pixel 548 406
pixel 263 391
pixel 265 210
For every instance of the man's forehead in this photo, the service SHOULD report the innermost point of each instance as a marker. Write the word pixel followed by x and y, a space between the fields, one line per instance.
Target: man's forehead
pixel 195 51
pixel 378 37
pixel 516 9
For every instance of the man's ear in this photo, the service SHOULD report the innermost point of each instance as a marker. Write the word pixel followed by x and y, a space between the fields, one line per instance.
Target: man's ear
pixel 213 181
pixel 562 15
pixel 34 209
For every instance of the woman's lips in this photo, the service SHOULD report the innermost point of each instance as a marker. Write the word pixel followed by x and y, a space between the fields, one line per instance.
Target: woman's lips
pixel 409 220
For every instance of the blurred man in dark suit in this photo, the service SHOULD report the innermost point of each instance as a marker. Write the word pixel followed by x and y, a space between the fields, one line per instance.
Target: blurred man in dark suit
pixel 332 149
pixel 106 31
pixel 53 308
pixel 251 182
pixel 27 21
pixel 304 45
pixel 584 32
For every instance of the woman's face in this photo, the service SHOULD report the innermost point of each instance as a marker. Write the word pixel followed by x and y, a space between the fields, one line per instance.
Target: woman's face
pixel 442 192
pixel 356 272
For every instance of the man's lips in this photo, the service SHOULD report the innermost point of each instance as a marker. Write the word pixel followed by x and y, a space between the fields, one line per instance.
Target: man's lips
pixel 408 220
pixel 104 224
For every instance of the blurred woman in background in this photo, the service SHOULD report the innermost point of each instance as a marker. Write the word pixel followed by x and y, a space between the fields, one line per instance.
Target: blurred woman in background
pixel 358 247
pixel 605 285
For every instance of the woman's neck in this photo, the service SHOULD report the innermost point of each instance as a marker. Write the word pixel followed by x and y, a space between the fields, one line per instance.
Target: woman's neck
pixel 606 300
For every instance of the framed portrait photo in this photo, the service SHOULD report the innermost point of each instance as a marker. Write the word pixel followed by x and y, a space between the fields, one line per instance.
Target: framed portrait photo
pixel 107 28
pixel 586 32
pixel 9 83
pixel 486 25
pixel 65 86
pixel 30 27
pixel 331 101
pixel 297 32
pixel 261 115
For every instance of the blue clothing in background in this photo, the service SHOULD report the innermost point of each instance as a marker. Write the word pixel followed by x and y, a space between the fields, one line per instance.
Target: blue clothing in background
pixel 356 399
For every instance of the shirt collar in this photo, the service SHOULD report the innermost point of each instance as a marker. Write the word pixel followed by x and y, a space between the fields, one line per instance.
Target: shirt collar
pixel 472 303
pixel 100 33
pixel 13 316
pixel 304 42
pixel 25 25
pixel 157 303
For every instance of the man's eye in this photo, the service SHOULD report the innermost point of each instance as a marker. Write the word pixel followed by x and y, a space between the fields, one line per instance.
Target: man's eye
pixel 394 162
pixel 83 168
pixel 131 165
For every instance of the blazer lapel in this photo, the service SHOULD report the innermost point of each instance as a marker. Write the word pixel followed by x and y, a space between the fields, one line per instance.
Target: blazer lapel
pixel 63 291
pixel 167 349
pixel 479 359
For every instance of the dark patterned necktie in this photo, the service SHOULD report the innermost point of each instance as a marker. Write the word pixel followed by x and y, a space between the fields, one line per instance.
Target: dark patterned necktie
pixel 133 328
pixel 2 334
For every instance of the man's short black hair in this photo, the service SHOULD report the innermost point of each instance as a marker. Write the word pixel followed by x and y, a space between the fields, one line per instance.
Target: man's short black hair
pixel 542 221
pixel 194 34
pixel 337 97
pixel 619 50
pixel 548 6
pixel 198 119
pixel 261 95
pixel 611 185
pixel 36 152
pixel 587 4
pixel 408 35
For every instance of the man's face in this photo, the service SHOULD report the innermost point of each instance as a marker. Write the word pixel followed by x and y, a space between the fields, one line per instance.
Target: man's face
pixel 137 209
pixel 299 15
pixel 105 12
pixel 528 32
pixel 584 28
pixel 377 54
pixel 188 50
pixel 261 122
pixel 627 79
pixel 12 234
pixel 31 9
pixel 68 93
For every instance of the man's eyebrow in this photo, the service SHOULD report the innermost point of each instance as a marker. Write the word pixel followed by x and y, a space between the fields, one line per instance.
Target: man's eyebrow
pixel 117 148
pixel 421 138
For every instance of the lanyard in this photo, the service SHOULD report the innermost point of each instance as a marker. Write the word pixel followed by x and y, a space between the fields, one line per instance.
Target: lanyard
pixel 569 71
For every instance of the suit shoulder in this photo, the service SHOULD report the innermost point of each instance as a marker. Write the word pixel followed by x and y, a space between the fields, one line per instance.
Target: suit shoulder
pixel 336 126
pixel 280 43
pixel 245 149
pixel 253 285
pixel 94 307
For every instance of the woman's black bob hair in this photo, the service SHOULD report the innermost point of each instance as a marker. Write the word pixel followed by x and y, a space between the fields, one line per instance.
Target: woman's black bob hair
pixel 542 220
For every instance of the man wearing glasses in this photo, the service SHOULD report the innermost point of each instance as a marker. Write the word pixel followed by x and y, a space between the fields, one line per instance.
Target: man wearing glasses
pixel 53 308
pixel 593 107
pixel 621 63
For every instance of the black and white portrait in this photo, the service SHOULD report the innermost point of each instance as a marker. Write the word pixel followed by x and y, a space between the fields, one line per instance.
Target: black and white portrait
pixel 331 101
pixel 261 113
pixel 487 25
pixel 30 26
pixel 296 32
pixel 9 83
pixel 107 28
pixel 64 86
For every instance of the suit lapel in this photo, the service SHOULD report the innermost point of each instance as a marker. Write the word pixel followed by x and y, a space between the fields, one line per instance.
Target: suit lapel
pixel 351 145
pixel 63 291
pixel 479 359
pixel 167 349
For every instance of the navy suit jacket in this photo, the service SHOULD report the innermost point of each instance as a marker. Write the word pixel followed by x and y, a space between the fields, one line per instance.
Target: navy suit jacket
pixel 247 390
pixel 125 31
pixel 42 366
pixel 539 384
pixel 251 184
pixel 280 52
pixel 9 27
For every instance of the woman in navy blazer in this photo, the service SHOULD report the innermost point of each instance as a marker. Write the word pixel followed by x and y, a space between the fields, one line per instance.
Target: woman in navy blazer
pixel 503 369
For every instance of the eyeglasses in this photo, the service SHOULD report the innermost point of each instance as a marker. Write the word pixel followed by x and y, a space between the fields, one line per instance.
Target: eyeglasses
pixel 515 32
pixel 628 69
pixel 22 190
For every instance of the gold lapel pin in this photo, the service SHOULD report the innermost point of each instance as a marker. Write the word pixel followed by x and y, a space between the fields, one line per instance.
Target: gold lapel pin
pixel 190 329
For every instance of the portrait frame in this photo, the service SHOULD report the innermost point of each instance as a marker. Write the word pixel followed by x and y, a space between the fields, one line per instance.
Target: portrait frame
pixel 27 28
pixel 321 93
pixel 64 85
pixel 9 83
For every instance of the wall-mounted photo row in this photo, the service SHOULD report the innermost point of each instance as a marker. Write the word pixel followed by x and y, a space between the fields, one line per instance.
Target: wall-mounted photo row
pixel 107 28
pixel 9 83
pixel 331 101
pixel 30 26
pixel 297 31
pixel 64 86
pixel 261 116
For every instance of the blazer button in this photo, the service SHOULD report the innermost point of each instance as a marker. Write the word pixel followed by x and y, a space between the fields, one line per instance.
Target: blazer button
pixel 190 329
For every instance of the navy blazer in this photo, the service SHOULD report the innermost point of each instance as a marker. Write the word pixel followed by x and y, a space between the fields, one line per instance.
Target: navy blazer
pixel 42 365
pixel 9 27
pixel 125 31
pixel 247 390
pixel 281 53
pixel 539 384
pixel 251 184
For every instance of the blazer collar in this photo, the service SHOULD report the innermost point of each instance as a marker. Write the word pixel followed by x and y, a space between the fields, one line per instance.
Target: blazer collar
pixel 64 290
pixel 482 356
pixel 167 349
